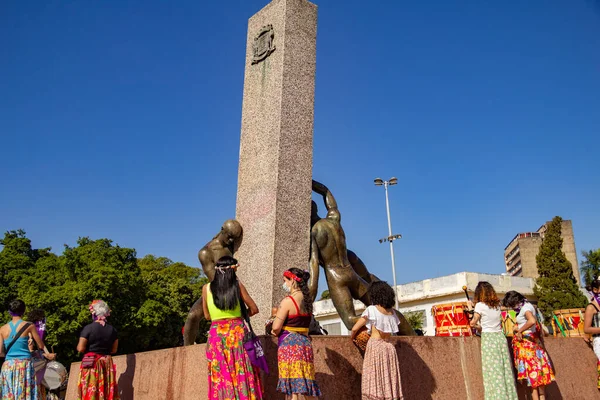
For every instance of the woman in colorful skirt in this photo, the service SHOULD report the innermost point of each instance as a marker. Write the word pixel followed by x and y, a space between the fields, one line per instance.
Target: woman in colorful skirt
pixel 295 353
pixel 381 369
pixel 531 359
pixel 498 378
pixel 17 379
pixel 97 341
pixel 592 321
pixel 231 375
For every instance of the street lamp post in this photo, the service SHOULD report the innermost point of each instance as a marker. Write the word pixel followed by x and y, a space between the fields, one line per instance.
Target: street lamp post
pixel 390 238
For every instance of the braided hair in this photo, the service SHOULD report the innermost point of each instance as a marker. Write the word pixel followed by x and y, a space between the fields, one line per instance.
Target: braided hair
pixel 303 286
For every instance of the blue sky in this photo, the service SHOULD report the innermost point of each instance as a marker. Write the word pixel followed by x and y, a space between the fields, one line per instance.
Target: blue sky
pixel 122 120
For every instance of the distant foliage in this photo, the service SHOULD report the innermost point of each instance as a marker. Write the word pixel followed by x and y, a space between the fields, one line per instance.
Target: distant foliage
pixel 590 266
pixel 556 288
pixel 416 319
pixel 325 295
pixel 149 297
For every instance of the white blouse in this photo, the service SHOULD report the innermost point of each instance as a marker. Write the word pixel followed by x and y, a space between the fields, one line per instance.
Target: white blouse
pixel 522 318
pixel 383 322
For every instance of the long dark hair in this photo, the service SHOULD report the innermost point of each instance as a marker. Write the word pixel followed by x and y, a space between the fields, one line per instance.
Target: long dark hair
pixel 303 286
pixel 225 287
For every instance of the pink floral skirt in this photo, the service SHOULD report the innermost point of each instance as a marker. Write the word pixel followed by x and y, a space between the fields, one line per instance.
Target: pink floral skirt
pixel 381 372
pixel 230 373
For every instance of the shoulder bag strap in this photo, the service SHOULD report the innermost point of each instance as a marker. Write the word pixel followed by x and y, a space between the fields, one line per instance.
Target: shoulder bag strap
pixel 244 310
pixel 17 336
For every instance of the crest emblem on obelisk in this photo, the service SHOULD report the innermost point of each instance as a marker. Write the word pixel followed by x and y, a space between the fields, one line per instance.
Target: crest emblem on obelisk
pixel 263 44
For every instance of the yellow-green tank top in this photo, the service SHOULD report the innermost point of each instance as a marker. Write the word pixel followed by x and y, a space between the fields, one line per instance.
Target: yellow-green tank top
pixel 216 314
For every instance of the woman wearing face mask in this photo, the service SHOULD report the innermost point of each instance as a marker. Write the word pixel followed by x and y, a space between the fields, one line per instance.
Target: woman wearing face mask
pixel 295 354
pixel 591 320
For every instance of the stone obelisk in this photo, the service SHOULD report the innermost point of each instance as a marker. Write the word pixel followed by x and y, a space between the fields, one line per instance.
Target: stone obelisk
pixel 276 147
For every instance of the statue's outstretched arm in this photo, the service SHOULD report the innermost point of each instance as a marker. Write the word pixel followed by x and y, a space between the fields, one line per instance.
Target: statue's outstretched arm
pixel 328 198
pixel 313 283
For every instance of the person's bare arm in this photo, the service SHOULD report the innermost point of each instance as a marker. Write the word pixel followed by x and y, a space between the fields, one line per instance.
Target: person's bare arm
pixel 362 321
pixel 82 345
pixel 205 289
pixel 587 321
pixel 114 347
pixel 282 313
pixel 475 320
pixel 252 307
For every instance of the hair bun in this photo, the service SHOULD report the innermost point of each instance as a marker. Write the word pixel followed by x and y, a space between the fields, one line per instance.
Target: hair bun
pixel 306 275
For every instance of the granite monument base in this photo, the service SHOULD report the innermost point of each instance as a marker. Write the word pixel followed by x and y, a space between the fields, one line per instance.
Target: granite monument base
pixel 431 368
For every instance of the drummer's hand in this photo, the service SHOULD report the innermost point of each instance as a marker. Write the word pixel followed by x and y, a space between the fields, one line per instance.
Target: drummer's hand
pixel 469 304
pixel 50 356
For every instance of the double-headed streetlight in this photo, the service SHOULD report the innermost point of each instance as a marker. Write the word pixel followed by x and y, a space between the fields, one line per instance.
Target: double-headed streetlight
pixel 390 238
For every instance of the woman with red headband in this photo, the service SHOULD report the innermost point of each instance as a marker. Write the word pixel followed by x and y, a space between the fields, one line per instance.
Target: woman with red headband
pixel 295 354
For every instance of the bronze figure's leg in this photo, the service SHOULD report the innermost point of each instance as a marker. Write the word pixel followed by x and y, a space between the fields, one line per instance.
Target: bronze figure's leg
pixel 360 268
pixel 192 323
pixel 342 300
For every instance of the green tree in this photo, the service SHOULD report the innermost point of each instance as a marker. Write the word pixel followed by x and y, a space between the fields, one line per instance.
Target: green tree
pixel 171 289
pixel 556 287
pixel 590 266
pixel 149 298
pixel 325 295
pixel 65 285
pixel 17 259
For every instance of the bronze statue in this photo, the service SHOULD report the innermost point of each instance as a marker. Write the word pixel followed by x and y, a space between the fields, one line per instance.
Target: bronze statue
pixel 346 281
pixel 225 243
pixel 360 268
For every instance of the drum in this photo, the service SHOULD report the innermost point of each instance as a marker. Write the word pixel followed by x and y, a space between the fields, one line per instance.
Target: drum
pixel 509 320
pixel 55 375
pixel 451 320
pixel 568 323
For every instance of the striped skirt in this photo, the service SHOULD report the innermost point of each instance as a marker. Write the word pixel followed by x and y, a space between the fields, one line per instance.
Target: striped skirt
pixel 98 382
pixel 296 364
pixel 532 361
pixel 381 372
pixel 496 365
pixel 17 380
pixel 231 375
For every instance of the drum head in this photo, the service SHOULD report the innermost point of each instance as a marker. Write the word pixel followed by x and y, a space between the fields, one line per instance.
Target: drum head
pixel 55 375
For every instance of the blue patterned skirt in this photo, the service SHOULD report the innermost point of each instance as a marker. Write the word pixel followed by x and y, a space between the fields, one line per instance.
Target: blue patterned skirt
pixel 17 380
pixel 296 366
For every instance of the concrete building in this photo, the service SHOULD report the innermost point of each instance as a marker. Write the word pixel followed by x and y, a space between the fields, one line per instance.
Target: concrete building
pixel 520 254
pixel 421 296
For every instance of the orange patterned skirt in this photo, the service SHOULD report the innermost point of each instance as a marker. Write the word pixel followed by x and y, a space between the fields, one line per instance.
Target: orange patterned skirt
pixel 532 361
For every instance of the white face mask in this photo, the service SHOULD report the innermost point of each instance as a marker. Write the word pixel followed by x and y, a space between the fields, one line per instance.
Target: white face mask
pixel 286 288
